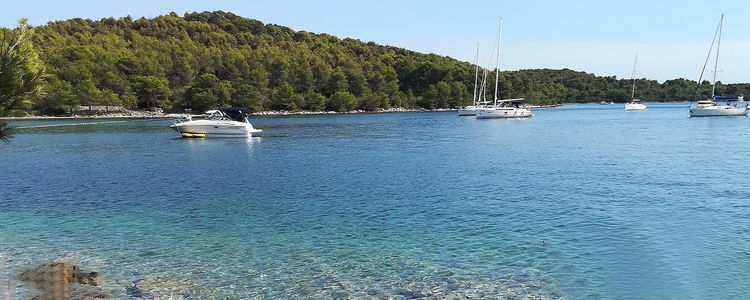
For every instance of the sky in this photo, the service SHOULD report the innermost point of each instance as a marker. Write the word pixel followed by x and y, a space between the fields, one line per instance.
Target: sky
pixel 671 37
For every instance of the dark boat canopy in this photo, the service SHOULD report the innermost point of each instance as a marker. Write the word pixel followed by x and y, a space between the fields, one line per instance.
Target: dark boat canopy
pixel 235 113
pixel 726 98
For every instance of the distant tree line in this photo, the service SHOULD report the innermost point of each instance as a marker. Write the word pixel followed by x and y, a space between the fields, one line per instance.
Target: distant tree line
pixel 207 60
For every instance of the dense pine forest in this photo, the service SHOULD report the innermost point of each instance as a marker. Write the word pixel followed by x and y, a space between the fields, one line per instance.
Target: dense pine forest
pixel 214 59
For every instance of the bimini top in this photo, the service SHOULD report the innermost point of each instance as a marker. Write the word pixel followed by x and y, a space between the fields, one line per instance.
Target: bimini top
pixel 729 98
pixel 517 100
pixel 226 109
pixel 235 113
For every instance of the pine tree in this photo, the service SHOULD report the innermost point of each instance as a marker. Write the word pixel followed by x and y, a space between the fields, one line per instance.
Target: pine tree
pixel 20 72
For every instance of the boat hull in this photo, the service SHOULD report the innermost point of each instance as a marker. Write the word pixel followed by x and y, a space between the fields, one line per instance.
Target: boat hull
pixel 504 113
pixel 718 111
pixel 206 128
pixel 467 111
pixel 635 106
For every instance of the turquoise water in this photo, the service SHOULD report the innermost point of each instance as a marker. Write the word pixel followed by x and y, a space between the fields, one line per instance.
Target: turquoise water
pixel 579 202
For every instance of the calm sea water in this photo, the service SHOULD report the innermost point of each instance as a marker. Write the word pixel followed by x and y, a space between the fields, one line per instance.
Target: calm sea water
pixel 579 202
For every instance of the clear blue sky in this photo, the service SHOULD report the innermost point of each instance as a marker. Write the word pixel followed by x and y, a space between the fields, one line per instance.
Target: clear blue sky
pixel 671 37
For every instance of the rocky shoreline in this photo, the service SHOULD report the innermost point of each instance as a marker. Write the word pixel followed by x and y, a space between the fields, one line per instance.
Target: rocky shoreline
pixel 127 115
pixel 304 112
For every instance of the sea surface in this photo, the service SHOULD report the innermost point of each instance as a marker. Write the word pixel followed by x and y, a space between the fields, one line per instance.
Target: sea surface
pixel 578 202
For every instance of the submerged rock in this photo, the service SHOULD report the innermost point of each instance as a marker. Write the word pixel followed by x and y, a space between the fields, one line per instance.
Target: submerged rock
pixel 62 280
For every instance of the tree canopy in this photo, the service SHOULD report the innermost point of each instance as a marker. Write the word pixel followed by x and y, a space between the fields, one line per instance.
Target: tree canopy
pixel 209 59
pixel 20 72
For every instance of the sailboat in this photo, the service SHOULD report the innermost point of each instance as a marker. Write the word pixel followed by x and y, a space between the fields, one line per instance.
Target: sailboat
pixel 506 108
pixel 634 103
pixel 471 110
pixel 709 107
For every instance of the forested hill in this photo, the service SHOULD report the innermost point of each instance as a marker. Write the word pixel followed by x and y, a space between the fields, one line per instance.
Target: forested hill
pixel 215 59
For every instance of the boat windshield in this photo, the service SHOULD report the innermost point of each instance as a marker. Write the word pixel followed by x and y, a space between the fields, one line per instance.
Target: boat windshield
pixel 219 115
pixel 235 113
pixel 215 115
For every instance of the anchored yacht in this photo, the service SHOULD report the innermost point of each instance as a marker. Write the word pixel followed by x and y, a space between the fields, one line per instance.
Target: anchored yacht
pixel 709 107
pixel 506 108
pixel 634 103
pixel 225 122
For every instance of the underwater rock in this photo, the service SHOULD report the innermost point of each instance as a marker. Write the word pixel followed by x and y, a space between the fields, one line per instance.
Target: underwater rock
pixel 62 280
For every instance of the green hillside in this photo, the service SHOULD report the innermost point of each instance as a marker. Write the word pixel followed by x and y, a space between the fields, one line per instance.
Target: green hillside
pixel 213 59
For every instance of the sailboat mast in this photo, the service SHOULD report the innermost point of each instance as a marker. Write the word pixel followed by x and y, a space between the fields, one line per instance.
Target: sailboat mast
pixel 497 62
pixel 476 75
pixel 632 93
pixel 483 90
pixel 708 58
pixel 716 63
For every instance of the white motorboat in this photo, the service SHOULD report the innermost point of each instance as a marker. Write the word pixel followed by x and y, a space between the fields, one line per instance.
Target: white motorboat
pixel 709 107
pixel 634 103
pixel 507 108
pixel 225 122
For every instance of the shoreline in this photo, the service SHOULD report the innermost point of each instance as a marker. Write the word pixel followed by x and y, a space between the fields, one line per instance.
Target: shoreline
pixel 156 116
pixel 139 115
pixel 36 118
pixel 146 115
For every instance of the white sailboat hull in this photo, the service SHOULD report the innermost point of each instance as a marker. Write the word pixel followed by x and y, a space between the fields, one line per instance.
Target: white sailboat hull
pixel 634 106
pixel 717 111
pixel 504 113
pixel 214 128
pixel 467 111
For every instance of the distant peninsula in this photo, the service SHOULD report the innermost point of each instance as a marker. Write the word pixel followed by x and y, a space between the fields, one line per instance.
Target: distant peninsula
pixel 205 60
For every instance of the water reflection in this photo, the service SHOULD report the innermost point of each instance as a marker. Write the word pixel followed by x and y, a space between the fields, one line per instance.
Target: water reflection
pixel 250 142
pixel 203 144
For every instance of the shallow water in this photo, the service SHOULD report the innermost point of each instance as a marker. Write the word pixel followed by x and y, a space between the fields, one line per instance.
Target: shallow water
pixel 579 202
